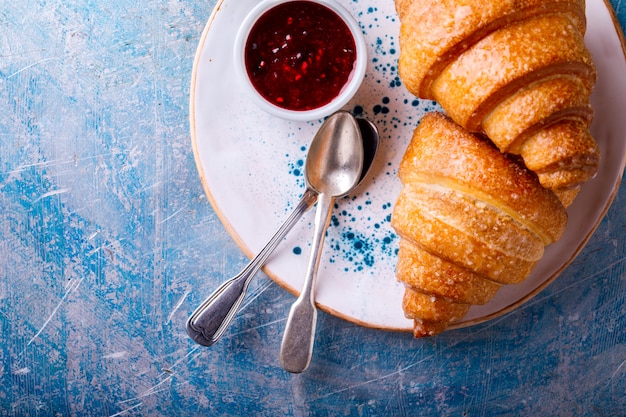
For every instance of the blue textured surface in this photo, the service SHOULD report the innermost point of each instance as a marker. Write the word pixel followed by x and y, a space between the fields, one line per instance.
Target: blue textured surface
pixel 107 243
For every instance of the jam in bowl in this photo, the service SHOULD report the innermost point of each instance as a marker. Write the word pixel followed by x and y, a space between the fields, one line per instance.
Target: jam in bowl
pixel 300 59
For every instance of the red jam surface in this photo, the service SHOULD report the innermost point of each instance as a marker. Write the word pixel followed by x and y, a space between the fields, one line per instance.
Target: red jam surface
pixel 299 55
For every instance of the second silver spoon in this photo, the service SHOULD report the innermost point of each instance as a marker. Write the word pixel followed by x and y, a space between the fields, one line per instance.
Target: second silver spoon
pixel 333 169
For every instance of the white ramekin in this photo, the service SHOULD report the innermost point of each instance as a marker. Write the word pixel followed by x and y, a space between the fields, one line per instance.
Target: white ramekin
pixel 351 87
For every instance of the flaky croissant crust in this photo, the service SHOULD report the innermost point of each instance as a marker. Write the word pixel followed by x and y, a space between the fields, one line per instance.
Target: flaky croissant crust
pixel 435 32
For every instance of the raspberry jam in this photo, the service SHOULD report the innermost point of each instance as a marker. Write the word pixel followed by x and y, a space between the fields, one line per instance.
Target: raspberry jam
pixel 299 55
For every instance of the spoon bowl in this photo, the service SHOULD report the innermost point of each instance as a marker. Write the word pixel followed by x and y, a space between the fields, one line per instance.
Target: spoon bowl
pixel 371 139
pixel 334 164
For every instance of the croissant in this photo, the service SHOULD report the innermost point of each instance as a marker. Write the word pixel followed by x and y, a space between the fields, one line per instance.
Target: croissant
pixel 470 219
pixel 515 70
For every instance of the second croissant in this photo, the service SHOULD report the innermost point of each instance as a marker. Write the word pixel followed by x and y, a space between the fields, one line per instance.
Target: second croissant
pixel 470 219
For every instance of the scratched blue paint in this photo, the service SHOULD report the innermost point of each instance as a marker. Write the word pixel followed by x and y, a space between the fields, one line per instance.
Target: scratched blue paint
pixel 107 243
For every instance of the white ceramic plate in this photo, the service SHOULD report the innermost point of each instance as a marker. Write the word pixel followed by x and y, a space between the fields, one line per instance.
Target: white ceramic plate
pixel 250 164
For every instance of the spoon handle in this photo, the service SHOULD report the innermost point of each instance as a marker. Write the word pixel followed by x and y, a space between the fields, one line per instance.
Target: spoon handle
pixel 209 321
pixel 297 346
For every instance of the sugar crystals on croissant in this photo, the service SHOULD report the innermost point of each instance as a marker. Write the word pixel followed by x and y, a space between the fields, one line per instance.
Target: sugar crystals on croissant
pixel 470 219
pixel 515 70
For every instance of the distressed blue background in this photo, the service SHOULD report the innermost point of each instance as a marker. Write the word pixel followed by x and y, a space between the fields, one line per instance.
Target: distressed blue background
pixel 106 238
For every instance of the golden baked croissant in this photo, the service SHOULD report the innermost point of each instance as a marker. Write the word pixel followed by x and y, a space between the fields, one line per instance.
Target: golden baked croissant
pixel 516 70
pixel 470 219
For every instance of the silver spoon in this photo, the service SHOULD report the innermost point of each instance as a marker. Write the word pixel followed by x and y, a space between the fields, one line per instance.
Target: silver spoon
pixel 333 169
pixel 209 321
